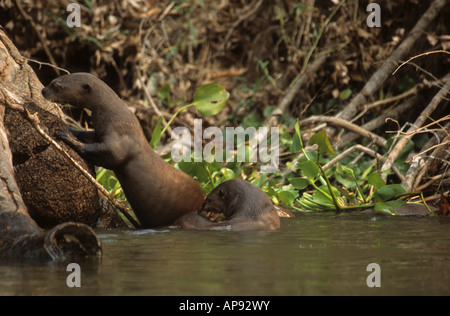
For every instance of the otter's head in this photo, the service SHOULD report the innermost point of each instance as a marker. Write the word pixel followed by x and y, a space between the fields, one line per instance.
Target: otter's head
pixel 222 202
pixel 78 89
pixel 233 199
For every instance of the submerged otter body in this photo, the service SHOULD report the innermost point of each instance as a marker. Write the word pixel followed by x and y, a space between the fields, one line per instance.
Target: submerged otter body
pixel 234 205
pixel 157 192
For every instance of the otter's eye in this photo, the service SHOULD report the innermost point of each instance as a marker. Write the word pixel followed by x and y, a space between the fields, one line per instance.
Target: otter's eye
pixel 86 87
pixel 222 194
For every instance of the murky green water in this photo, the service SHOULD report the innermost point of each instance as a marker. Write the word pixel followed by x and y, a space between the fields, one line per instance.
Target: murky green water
pixel 311 255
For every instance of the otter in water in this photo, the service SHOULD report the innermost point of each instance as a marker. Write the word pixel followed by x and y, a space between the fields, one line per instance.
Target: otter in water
pixel 157 192
pixel 234 205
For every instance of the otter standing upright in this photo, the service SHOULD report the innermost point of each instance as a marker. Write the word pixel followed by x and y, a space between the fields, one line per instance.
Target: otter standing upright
pixel 157 192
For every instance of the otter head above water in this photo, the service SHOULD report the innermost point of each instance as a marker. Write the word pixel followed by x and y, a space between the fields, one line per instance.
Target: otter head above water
pixel 237 205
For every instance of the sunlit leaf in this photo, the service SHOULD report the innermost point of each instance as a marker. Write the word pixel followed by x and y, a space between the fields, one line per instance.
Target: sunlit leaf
pixel 287 197
pixel 322 141
pixel 156 135
pixel 309 169
pixel 210 99
pixel 344 95
pixel 388 206
pixel 388 192
pixel 299 183
pixel 375 180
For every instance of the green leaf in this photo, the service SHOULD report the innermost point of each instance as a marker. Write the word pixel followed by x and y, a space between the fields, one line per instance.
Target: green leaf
pixel 287 197
pixel 344 95
pixel 321 198
pixel 299 183
pixel 210 99
pixel 195 170
pixel 252 120
pixel 164 93
pixel 228 174
pixel 268 110
pixel 156 135
pixel 389 206
pixel 322 141
pixel 309 169
pixel 405 84
pixel 375 180
pixel 297 143
pixel 389 191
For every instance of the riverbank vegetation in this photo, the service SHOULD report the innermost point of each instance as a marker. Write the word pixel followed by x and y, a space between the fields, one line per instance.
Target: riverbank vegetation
pixel 362 111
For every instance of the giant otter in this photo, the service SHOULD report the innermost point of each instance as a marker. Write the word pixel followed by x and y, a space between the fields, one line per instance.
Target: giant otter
pixel 157 192
pixel 234 205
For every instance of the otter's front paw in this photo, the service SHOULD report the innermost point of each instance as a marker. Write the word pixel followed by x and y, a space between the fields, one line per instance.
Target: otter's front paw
pixel 68 138
pixel 64 135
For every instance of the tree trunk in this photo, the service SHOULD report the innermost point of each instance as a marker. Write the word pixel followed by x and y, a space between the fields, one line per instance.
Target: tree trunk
pixel 54 191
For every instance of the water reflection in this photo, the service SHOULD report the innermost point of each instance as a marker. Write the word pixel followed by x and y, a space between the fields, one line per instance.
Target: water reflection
pixel 311 255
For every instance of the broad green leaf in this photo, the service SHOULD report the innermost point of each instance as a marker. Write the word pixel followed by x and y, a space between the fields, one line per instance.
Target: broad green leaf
pixel 388 206
pixel 309 169
pixel 195 170
pixel 287 197
pixel 389 191
pixel 322 141
pixel 210 99
pixel 375 180
pixel 228 174
pixel 344 95
pixel 299 183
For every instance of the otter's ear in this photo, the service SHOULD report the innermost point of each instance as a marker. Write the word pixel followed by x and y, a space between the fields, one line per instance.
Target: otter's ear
pixel 87 87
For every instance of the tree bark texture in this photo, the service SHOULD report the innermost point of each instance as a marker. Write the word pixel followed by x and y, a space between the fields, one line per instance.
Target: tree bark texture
pixel 38 188
pixel 52 189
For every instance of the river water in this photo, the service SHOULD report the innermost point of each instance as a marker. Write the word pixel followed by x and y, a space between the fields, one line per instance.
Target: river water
pixel 323 254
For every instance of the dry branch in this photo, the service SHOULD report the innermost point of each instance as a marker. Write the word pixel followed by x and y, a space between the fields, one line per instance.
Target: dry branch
pixel 380 141
pixel 292 92
pixel 379 121
pixel 379 77
pixel 417 125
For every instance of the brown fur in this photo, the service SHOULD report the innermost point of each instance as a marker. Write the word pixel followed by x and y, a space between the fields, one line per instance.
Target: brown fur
pixel 157 192
pixel 239 205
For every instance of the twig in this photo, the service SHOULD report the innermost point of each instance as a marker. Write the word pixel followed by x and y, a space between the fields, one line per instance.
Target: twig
pixel 152 103
pixel 35 122
pixel 435 155
pixel 420 55
pixel 378 103
pixel 293 90
pixel 417 124
pixel 379 77
pixel 350 150
pixel 380 141
pixel 242 17
pixel 423 129
pixel 379 121
pixel 39 35
pixel 47 64
pixel 362 149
